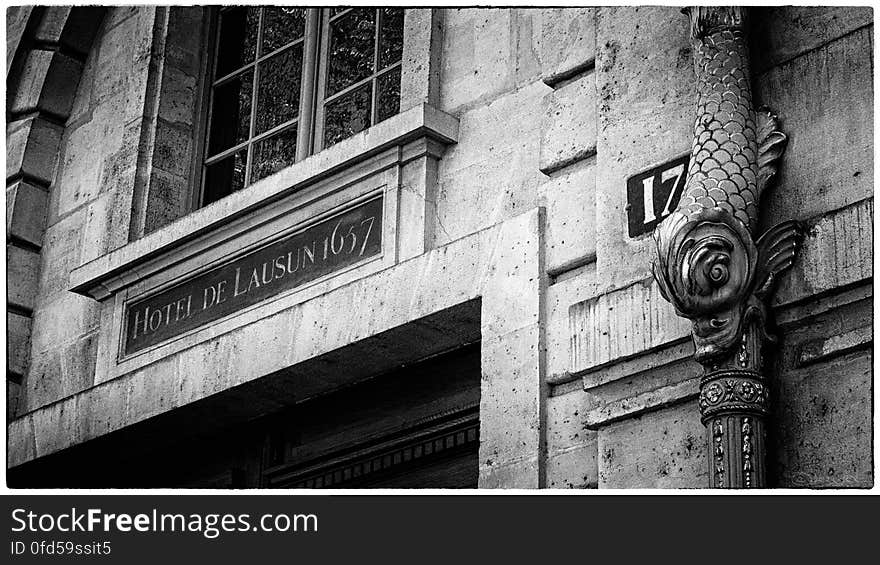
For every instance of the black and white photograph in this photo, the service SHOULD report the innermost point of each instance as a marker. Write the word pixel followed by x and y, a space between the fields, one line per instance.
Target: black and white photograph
pixel 439 248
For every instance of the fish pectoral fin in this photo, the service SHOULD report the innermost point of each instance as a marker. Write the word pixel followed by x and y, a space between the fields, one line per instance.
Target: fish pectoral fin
pixel 777 249
pixel 771 146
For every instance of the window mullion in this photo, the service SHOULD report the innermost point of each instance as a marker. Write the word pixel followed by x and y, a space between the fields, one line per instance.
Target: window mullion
pixel 279 50
pixel 226 153
pixel 209 70
pixel 374 80
pixel 339 15
pixel 321 90
pixel 308 91
pixel 270 132
pixel 348 89
pixel 253 125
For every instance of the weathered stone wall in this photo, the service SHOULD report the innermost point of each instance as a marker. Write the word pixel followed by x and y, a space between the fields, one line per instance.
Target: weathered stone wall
pixel 521 83
pixel 119 147
pixel 16 21
pixel 47 49
pixel 89 204
pixel 556 109
pixel 637 423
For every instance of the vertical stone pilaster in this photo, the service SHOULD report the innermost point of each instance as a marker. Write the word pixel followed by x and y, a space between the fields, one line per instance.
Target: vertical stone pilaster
pixel 512 389
pixel 422 42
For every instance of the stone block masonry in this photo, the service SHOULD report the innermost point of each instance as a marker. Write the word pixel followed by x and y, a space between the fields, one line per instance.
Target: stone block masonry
pixel 45 60
pixel 511 231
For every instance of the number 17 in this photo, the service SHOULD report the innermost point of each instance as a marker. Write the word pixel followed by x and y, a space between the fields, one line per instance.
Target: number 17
pixel 648 186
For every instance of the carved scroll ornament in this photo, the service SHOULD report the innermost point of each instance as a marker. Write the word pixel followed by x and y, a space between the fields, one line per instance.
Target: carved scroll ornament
pixel 710 263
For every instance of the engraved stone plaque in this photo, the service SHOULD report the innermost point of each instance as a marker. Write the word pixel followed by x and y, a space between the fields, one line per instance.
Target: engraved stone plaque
pixel 317 250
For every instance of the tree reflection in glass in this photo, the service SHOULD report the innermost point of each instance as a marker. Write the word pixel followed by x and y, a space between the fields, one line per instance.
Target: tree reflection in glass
pixel 274 153
pixel 281 25
pixel 279 90
pixel 347 115
pixel 350 56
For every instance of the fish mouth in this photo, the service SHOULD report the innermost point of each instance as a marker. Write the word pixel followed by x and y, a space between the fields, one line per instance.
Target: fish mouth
pixel 714 338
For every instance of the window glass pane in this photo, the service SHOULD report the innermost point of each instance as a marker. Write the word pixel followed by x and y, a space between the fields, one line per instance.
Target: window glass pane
pixel 238 39
pixel 225 177
pixel 337 10
pixel 388 93
pixel 274 153
pixel 391 37
pixel 347 115
pixel 231 113
pixel 282 26
pixel 351 49
pixel 279 90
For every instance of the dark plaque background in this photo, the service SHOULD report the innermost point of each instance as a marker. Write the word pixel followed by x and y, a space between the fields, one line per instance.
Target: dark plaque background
pixel 335 243
pixel 661 191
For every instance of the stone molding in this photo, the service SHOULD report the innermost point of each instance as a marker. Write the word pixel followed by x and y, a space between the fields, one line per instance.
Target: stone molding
pixel 609 402
pixel 820 270
pixel 107 274
pixel 599 335
pixel 439 434
pixel 190 246
pixel 428 298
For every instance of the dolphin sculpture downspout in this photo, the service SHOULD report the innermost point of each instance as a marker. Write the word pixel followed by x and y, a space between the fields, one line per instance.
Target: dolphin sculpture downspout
pixel 711 264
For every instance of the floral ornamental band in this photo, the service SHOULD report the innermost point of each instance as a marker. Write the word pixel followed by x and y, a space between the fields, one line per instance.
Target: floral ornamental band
pixel 711 264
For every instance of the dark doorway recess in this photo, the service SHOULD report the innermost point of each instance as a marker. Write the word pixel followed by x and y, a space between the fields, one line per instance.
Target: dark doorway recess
pixel 417 427
pixel 414 426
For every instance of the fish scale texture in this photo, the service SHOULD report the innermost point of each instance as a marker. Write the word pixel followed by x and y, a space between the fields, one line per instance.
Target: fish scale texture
pixel 723 171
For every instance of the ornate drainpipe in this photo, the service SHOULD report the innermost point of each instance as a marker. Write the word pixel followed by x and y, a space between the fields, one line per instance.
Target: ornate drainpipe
pixel 710 263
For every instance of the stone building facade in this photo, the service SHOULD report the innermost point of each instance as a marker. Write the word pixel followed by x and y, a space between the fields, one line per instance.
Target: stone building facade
pixel 500 327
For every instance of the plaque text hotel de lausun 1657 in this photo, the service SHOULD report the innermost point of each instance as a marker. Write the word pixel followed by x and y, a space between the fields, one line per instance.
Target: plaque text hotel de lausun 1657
pixel 305 255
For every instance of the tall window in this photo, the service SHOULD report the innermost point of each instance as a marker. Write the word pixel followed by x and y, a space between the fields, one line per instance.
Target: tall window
pixel 287 82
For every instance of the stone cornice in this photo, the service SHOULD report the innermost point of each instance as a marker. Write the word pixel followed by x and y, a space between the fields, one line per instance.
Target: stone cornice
pixel 385 143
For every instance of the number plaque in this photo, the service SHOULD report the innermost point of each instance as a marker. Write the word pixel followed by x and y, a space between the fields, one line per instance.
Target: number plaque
pixel 653 194
pixel 317 250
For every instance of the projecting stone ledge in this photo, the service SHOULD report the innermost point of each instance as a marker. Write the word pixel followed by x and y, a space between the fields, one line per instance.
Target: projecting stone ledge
pixel 481 287
pixel 99 278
